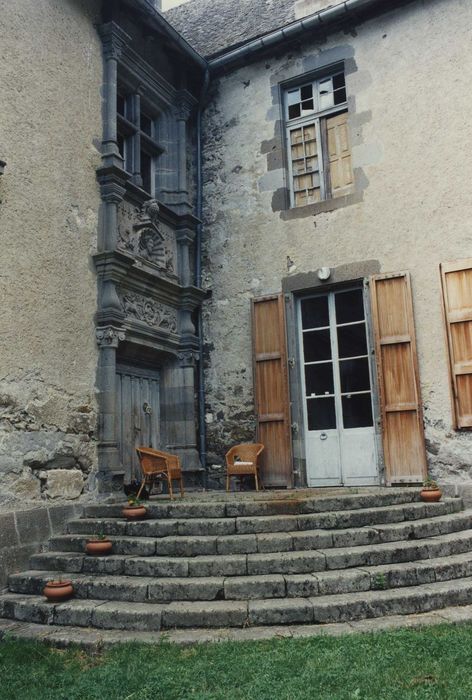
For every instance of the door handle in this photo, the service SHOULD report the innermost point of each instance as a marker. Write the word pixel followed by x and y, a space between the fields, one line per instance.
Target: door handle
pixel 323 436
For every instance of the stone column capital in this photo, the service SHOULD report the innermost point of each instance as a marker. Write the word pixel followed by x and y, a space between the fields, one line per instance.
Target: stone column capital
pixel 185 104
pixel 114 39
pixel 109 336
pixel 188 358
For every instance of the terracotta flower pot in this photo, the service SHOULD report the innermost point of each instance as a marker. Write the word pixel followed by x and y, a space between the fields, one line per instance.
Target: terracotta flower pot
pixel 430 495
pixel 99 547
pixel 134 512
pixel 57 591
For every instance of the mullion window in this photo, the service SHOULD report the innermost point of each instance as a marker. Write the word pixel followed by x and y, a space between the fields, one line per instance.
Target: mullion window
pixel 136 141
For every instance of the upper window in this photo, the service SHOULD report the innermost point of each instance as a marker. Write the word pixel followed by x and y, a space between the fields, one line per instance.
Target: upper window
pixel 319 155
pixel 137 141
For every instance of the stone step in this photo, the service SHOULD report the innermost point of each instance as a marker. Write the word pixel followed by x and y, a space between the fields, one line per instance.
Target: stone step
pixel 147 589
pixel 225 613
pixel 299 540
pixel 265 503
pixel 95 640
pixel 290 562
pixel 207 525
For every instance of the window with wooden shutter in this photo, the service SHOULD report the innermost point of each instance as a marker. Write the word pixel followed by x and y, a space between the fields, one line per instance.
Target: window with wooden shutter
pixel 397 366
pixel 456 282
pixel 271 390
pixel 319 154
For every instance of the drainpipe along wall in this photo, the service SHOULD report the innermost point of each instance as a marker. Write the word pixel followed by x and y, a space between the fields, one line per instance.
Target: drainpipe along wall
pixel 198 280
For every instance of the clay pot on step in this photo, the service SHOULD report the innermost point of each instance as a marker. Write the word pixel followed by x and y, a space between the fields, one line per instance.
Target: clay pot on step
pixel 57 591
pixel 99 547
pixel 134 512
pixel 431 495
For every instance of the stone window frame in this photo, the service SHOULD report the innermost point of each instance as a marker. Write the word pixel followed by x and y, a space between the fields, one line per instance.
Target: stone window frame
pixel 317 117
pixel 136 139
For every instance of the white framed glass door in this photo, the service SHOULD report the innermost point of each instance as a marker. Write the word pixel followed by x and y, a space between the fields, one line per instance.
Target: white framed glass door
pixel 337 389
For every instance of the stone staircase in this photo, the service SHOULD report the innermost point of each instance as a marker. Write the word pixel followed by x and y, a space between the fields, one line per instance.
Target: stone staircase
pixel 243 562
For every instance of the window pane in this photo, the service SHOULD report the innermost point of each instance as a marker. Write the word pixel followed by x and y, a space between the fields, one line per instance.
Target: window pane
pixel 349 306
pixel 325 89
pixel 121 145
pixel 317 346
pixel 313 196
pixel 315 312
pixel 352 340
pixel 307 106
pixel 340 96
pixel 354 375
pixel 120 105
pixel 338 81
pixel 306 92
pixel 294 111
pixel 146 162
pixel 293 96
pixel 321 414
pixel 146 124
pixel 357 411
pixel 319 379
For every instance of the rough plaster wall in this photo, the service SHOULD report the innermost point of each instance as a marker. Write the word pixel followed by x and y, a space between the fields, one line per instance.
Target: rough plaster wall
pixel 50 123
pixel 410 126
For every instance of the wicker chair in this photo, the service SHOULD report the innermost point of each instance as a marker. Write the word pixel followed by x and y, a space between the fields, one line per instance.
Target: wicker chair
pixel 242 460
pixel 159 466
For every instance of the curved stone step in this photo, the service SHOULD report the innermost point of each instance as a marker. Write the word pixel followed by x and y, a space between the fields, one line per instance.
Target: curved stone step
pixel 277 611
pixel 265 503
pixel 292 562
pixel 260 523
pixel 148 589
pixel 298 540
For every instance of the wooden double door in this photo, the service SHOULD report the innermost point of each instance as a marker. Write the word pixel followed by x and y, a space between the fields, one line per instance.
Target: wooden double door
pixel 338 368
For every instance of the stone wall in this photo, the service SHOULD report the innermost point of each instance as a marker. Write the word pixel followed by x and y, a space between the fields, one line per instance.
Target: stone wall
pixel 24 532
pixel 407 76
pixel 50 130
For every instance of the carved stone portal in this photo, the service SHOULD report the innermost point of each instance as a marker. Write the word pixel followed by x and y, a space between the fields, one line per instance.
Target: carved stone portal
pixel 149 311
pixel 147 240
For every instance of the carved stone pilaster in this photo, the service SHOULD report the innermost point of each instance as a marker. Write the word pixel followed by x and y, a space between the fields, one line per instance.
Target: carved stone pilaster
pixel 109 336
pixel 185 238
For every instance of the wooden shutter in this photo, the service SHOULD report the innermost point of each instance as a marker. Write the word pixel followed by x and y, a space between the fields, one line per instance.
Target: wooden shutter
pixel 339 155
pixel 271 390
pixel 397 365
pixel 456 281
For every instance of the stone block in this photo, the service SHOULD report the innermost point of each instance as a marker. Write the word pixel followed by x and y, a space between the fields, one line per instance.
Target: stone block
pixel 93 526
pixel 156 566
pixel 186 546
pixel 33 525
pixel 172 589
pixel 8 533
pixel 334 582
pixel 137 547
pixel 59 516
pixel 118 588
pixel 75 613
pixel 285 563
pixel 14 559
pixel 274 542
pixel 356 537
pixel 280 612
pixel 68 543
pixel 311 539
pixel 247 587
pixel 271 523
pixel 64 483
pixel 224 565
pixel 152 528
pixel 301 585
pixel 236 544
pixel 127 616
pixel 201 614
pixel 112 565
pixel 206 527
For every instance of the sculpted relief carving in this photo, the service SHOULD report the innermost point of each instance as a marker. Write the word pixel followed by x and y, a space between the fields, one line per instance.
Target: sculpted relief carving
pixel 149 311
pixel 140 234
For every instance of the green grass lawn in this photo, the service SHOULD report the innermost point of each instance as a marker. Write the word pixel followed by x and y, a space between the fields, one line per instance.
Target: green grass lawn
pixel 433 662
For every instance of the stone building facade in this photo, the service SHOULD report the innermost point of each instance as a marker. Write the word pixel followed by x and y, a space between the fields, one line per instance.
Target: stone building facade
pixel 406 208
pixel 332 147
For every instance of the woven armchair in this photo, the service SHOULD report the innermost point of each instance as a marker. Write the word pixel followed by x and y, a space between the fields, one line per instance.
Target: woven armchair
pixel 242 460
pixel 159 466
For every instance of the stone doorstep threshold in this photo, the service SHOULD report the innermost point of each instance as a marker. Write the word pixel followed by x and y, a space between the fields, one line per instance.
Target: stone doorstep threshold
pixel 94 640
